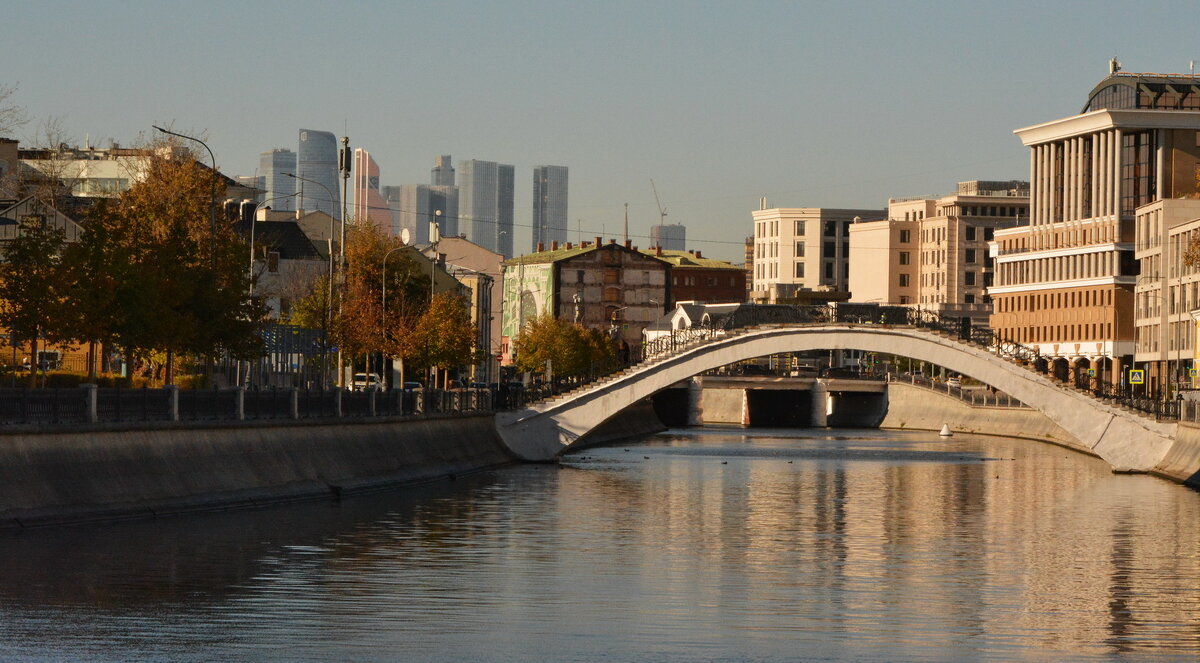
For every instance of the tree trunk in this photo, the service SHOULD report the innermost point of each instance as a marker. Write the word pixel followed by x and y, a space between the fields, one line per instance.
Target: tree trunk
pixel 33 362
pixel 168 378
pixel 91 360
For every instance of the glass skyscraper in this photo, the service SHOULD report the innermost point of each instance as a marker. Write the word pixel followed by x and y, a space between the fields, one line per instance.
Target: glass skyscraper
pixel 279 189
pixel 549 205
pixel 317 161
pixel 442 173
pixel 485 204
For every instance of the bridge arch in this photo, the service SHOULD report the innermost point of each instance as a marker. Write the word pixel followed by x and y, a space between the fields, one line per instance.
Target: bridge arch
pixel 1127 441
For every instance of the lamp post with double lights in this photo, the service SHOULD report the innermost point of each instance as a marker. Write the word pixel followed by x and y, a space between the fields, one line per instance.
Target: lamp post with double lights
pixel 433 261
pixel 329 297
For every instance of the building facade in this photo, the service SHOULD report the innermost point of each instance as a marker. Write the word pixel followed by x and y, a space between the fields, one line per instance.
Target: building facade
pixel 317 162
pixel 1166 302
pixel 485 204
pixel 277 187
pixel 670 236
pixel 442 173
pixel 932 253
pixel 695 278
pixel 369 204
pixel 799 249
pixel 1065 283
pixel 549 205
pixel 420 206
pixel 612 287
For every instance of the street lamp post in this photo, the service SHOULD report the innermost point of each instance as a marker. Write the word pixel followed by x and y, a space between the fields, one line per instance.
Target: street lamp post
pixel 383 298
pixel 433 260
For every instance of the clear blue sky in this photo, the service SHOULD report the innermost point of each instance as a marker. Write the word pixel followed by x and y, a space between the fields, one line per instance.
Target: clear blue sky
pixel 834 104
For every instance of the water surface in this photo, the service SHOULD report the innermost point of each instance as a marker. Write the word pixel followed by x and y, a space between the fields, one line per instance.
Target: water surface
pixel 705 545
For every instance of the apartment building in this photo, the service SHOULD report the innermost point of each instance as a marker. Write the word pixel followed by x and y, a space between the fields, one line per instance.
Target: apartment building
pixel 799 250
pixel 1065 283
pixel 1166 303
pixel 932 253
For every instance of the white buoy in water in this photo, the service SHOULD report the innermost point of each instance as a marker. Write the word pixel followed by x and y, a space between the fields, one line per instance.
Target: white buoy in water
pixel 945 431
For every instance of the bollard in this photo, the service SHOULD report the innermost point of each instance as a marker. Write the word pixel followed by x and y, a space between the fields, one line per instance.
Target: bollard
pixel 173 402
pixel 239 403
pixel 294 397
pixel 337 403
pixel 89 395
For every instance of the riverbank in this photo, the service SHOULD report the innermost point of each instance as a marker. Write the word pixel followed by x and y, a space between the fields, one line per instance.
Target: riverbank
pixel 111 472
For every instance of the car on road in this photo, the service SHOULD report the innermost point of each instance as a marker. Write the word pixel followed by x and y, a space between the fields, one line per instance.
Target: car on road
pixel 365 381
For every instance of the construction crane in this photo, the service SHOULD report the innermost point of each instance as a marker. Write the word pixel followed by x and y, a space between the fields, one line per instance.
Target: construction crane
pixel 662 213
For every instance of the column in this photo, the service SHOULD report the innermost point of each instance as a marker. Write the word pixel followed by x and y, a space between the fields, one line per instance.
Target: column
pixel 695 412
pixel 820 404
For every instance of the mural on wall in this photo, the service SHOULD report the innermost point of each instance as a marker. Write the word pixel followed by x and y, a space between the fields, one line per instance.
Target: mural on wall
pixel 528 293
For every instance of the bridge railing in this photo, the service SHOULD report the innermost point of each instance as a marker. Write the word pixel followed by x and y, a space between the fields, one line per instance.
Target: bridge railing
pixel 984 397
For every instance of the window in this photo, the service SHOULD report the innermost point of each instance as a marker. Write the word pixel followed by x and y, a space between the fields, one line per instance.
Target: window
pixel 969 299
pixel 969 278
pixel 612 275
pixel 989 234
pixel 799 227
pixel 579 276
pixel 830 229
pixel 612 295
pixel 970 256
pixel 904 280
pixel 285 307
pixel 829 270
pixel 903 299
pixel 799 270
pixel 829 249
pixel 904 258
pixel 799 249
pixel 273 262
pixel 905 236
pixel 970 233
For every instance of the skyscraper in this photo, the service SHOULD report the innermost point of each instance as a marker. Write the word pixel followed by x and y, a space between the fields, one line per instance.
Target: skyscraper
pixel 442 173
pixel 279 189
pixel 317 161
pixel 485 203
pixel 369 204
pixel 417 207
pixel 549 205
pixel 670 236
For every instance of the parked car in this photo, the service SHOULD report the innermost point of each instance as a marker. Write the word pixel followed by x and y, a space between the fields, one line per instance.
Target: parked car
pixel 413 386
pixel 954 381
pixel 365 381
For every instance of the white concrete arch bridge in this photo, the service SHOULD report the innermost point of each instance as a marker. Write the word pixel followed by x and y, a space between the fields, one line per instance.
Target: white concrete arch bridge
pixel 1129 441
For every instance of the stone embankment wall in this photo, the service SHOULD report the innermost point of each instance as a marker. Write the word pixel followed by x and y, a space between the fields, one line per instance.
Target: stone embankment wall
pixel 106 473
pixel 912 407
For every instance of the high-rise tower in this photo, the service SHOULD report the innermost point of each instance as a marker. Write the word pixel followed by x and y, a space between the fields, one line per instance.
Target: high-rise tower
pixel 549 205
pixel 368 201
pixel 317 161
pixel 442 173
pixel 278 188
pixel 485 204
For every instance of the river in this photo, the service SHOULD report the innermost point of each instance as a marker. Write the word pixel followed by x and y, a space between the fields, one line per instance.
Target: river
pixel 697 545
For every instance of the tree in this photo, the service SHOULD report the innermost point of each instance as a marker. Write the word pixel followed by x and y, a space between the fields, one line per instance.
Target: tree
pixel 11 116
pixel 157 275
pixel 33 293
pixel 570 349
pixel 444 335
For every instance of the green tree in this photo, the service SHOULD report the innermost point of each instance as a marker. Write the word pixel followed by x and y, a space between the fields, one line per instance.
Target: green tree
pixel 444 336
pixel 33 291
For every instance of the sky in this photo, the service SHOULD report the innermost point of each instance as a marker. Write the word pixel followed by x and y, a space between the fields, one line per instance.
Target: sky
pixel 809 104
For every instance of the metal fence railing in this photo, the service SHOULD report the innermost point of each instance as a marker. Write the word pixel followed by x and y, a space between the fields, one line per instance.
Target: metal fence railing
pixel 982 396
pixel 89 404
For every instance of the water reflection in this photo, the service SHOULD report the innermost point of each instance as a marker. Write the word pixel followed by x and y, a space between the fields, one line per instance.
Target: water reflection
pixel 704 545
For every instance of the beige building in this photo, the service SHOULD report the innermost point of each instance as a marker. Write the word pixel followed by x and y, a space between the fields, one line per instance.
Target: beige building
pixel 1065 282
pixel 1165 298
pixel 802 249
pixel 932 253
pixel 481 271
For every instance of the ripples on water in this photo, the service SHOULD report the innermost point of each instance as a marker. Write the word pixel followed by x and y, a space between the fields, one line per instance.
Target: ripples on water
pixel 691 546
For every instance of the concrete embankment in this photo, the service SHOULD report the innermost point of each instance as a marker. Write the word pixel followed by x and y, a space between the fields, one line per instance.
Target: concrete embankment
pixel 104 473
pixel 1182 462
pixel 913 407
pixel 917 408
pixel 634 421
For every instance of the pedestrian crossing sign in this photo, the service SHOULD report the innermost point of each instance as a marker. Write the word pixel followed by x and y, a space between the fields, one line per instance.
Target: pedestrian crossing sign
pixel 1137 376
pixel 1091 372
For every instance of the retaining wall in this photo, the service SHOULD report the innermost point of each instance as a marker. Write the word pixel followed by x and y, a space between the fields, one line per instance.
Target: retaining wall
pixel 1182 462
pixel 917 408
pixel 108 473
